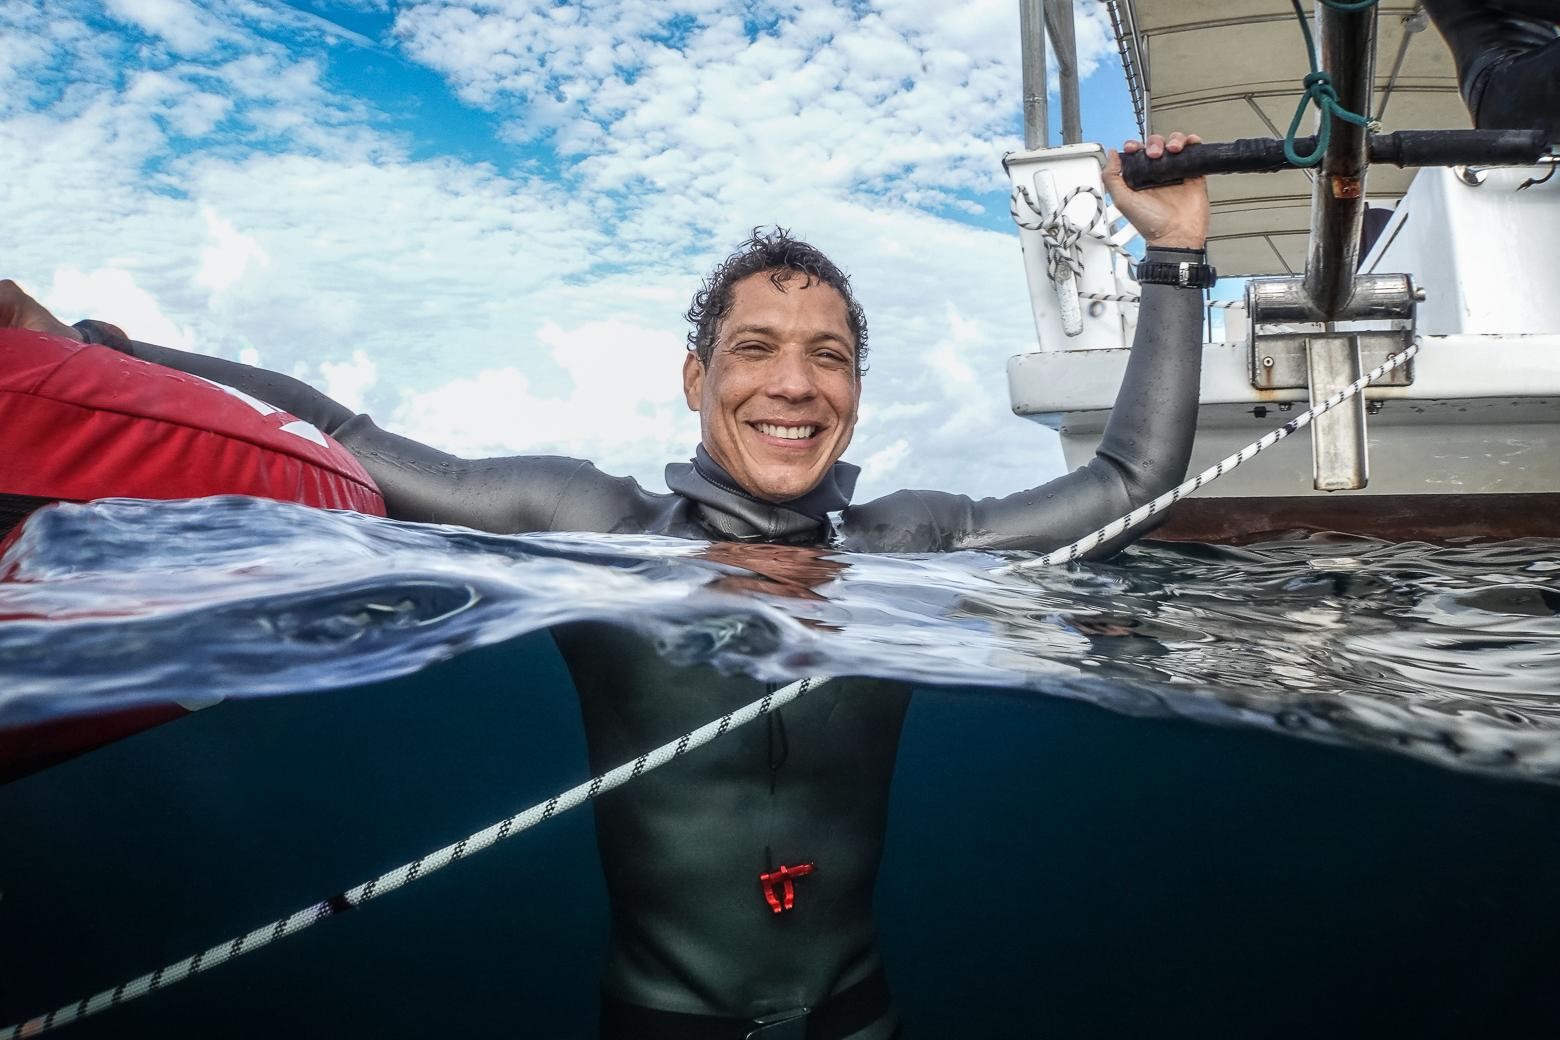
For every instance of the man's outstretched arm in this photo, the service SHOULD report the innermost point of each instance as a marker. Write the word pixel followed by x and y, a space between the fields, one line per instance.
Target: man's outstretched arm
pixel 1147 442
pixel 505 495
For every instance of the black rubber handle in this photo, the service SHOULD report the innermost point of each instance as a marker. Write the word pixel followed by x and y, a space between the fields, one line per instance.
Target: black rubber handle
pixel 1248 155
pixel 1459 147
pixel 1404 148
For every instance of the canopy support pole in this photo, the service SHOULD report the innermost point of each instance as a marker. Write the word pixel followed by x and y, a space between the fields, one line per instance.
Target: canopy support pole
pixel 1031 31
pixel 1064 42
pixel 1347 41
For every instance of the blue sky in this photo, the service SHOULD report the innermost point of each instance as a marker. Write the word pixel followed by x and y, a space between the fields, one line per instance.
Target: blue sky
pixel 481 220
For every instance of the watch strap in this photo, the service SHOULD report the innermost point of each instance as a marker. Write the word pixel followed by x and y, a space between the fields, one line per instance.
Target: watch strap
pixel 1185 273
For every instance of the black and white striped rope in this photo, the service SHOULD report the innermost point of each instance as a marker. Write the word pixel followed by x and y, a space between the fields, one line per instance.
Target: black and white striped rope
pixel 1069 553
pixel 1061 236
pixel 294 923
pixel 1104 297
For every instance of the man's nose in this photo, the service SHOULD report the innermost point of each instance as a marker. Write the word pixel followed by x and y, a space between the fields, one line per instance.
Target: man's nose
pixel 791 376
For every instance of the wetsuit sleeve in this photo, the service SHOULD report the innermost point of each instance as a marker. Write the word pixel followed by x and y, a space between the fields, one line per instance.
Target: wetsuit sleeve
pixel 503 495
pixel 1144 452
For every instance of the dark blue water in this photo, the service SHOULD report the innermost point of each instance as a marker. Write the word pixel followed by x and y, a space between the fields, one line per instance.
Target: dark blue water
pixel 1302 789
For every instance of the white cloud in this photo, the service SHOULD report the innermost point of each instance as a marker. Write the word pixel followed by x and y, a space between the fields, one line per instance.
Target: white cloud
pixel 229 254
pixel 621 403
pixel 19 53
pixel 913 102
pixel 348 382
pixel 477 416
pixel 182 25
pixel 889 459
pixel 113 294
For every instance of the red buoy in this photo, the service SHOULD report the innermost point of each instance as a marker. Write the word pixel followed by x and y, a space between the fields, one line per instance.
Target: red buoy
pixel 80 422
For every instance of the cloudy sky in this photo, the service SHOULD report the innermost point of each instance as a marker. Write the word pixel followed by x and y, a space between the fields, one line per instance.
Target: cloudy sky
pixel 481 220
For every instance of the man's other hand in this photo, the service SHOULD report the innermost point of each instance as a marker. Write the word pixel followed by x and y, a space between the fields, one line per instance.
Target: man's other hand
pixel 1172 215
pixel 20 311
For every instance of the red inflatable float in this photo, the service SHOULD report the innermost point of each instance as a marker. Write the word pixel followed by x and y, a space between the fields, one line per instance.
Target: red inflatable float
pixel 79 422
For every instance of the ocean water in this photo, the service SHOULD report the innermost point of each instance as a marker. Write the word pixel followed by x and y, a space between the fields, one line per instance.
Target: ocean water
pixel 1294 789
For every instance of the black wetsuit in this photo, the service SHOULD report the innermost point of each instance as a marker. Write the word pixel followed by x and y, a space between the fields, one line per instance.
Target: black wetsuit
pixel 1508 60
pixel 683 847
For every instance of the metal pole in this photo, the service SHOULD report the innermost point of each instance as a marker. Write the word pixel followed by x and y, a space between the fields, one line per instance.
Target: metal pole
pixel 1347 42
pixel 1340 458
pixel 1064 41
pixel 1031 31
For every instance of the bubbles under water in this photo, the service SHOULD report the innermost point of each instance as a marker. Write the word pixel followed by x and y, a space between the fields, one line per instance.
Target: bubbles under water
pixel 1449 654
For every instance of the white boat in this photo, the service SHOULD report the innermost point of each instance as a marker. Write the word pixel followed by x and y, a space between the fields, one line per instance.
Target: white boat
pixel 1462 441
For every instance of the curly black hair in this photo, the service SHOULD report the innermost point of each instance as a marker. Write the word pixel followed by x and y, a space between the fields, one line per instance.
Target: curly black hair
pixel 782 256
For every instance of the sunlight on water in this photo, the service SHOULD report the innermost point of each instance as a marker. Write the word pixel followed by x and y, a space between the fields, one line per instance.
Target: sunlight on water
pixel 1445 653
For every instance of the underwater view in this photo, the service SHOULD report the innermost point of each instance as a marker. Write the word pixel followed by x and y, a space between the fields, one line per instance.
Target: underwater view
pixel 1299 788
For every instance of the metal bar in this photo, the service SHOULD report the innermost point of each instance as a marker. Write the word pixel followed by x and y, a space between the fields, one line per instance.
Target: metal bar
pixel 1377 297
pixel 1347 41
pixel 1031 31
pixel 1310 175
pixel 1339 458
pixel 1129 63
pixel 1064 43
pixel 1268 238
pixel 1413 22
pixel 1145 71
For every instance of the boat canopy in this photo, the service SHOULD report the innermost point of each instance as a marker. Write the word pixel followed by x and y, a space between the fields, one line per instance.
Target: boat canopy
pixel 1228 69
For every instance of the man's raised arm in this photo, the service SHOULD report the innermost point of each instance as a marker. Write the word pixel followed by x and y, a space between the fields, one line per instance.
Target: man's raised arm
pixel 505 495
pixel 1147 442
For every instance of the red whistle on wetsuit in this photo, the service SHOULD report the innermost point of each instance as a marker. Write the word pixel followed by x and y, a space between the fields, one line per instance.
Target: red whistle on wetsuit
pixel 783 897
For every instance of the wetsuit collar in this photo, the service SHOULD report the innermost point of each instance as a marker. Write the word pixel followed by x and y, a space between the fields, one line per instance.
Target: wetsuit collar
pixel 737 515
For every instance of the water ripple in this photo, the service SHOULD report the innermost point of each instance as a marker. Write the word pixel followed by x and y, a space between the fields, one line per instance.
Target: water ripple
pixel 1446 653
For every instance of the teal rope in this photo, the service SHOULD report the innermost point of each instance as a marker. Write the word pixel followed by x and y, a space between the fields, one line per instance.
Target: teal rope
pixel 1320 91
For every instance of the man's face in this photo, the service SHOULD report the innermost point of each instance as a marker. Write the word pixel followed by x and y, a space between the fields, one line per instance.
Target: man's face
pixel 777 403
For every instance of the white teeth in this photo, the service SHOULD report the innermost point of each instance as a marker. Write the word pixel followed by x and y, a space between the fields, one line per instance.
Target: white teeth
pixel 790 433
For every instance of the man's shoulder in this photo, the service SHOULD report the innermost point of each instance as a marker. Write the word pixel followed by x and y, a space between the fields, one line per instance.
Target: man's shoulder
pixel 904 521
pixel 591 500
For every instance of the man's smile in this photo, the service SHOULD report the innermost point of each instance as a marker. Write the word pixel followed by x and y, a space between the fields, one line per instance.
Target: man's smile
pixel 794 434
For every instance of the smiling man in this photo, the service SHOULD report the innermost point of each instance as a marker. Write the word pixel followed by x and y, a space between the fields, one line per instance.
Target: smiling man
pixel 774 367
pixel 741 878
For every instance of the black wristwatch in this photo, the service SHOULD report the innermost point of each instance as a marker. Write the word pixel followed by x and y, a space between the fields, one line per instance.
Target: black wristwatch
pixel 1184 273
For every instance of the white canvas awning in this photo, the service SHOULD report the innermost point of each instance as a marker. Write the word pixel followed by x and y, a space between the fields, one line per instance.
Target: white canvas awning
pixel 1228 69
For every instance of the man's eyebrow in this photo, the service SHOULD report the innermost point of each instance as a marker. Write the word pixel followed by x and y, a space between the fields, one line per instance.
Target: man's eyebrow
pixel 765 330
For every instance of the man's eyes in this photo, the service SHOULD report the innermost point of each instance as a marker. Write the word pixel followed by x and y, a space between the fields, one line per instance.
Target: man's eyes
pixel 827 355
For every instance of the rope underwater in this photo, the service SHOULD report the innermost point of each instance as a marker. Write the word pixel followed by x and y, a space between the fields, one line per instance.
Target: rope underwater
pixel 391 880
pixel 409 872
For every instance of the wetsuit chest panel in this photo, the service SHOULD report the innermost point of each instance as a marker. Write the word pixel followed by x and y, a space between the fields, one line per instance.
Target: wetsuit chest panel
pixel 683 847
